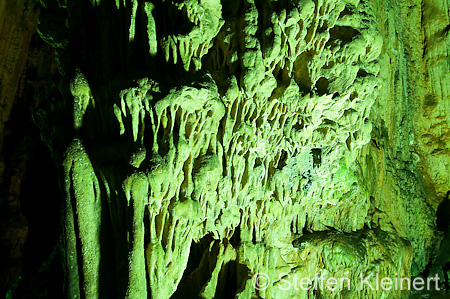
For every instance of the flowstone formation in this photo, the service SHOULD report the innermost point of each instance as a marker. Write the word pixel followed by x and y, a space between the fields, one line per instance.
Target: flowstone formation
pixel 216 141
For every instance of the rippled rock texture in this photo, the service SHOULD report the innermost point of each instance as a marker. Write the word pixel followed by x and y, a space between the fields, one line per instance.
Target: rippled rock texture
pixel 202 143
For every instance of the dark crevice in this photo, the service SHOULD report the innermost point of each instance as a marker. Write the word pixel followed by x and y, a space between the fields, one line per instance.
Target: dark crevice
pixel 426 271
pixel 231 8
pixel 317 156
pixel 345 12
pixel 362 73
pixel 235 239
pixel 282 160
pixel 322 86
pixel 253 232
pixel 344 33
pixel 353 95
pixel 443 214
pixel 230 280
pixel 199 267
pixel 298 126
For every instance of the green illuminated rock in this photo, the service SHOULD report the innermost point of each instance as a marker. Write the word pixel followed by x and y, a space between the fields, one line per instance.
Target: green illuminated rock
pixel 217 140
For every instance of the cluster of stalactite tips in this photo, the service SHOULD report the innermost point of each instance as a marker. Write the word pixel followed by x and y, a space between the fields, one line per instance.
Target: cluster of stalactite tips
pixel 220 149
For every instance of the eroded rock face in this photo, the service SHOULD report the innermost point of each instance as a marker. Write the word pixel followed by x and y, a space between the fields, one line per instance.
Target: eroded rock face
pixel 237 147
pixel 18 21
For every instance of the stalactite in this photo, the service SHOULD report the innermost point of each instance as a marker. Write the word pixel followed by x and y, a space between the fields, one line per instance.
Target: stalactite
pixel 222 149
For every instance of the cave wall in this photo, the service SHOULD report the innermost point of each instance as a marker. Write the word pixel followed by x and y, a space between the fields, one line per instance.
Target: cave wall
pixel 202 143
pixel 409 137
pixel 17 25
pixel 30 213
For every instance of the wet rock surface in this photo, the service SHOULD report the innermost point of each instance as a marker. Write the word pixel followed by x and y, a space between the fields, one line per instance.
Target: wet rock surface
pixel 202 143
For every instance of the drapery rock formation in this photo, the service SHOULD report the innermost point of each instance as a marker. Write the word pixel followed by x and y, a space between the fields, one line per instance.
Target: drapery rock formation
pixel 222 149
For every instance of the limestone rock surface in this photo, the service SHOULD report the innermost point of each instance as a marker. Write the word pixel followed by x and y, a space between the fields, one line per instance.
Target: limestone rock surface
pixel 221 149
